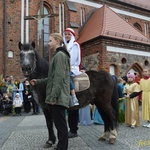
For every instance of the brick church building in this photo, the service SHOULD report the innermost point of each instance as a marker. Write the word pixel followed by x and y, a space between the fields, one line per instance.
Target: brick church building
pixel 114 34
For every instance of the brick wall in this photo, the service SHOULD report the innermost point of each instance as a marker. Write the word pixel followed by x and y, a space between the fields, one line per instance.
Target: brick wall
pixel 94 52
pixel 1 35
pixel 96 56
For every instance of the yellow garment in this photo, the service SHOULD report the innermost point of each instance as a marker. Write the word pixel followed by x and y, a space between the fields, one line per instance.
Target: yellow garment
pixel 132 106
pixel 145 87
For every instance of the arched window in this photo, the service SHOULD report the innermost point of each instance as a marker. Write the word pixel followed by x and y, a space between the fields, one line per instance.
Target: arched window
pixel 10 54
pixel 46 28
pixel 138 26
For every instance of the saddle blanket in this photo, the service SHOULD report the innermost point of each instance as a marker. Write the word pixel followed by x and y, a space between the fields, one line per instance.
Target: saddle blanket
pixel 81 82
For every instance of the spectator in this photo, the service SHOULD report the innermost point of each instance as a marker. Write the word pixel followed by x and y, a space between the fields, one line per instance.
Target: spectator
pixel 97 117
pixel 85 116
pixel 11 90
pixel 27 96
pixel 7 104
pixel 35 106
pixel 17 103
pixel 121 100
pixel 3 86
pixel 7 80
pixel 1 103
pixel 19 88
pixel 125 79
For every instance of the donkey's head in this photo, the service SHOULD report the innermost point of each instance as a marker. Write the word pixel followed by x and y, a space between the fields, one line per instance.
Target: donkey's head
pixel 27 58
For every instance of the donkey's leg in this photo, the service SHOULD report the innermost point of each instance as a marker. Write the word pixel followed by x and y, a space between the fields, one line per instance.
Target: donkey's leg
pixel 112 126
pixel 49 122
pixel 112 136
pixel 105 135
pixel 108 116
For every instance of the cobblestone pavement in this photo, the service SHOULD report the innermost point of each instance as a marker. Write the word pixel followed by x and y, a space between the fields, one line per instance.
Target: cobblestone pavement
pixel 28 132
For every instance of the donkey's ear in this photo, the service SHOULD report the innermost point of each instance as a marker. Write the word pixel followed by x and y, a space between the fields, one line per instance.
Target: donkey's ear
pixel 33 44
pixel 20 45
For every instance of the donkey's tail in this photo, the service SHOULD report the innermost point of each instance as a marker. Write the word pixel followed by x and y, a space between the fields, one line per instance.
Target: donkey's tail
pixel 114 100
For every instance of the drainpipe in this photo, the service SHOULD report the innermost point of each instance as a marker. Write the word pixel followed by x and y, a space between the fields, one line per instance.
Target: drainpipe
pixel 27 22
pixel 60 27
pixel 4 41
pixel 63 16
pixel 22 21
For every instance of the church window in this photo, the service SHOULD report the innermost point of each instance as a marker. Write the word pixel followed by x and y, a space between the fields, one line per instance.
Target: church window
pixel 138 26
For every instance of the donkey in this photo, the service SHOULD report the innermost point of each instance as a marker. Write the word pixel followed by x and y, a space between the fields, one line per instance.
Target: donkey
pixel 102 92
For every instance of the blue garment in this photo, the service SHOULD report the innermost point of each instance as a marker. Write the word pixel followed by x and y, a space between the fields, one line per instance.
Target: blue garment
pixel 19 90
pixel 85 116
pixel 71 81
pixel 120 90
pixel 121 103
pixel 97 117
pixel 121 95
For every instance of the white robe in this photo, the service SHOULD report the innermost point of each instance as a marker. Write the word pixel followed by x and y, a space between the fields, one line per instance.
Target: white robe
pixel 75 55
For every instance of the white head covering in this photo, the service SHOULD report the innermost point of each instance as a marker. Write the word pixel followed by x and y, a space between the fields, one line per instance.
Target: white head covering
pixel 17 94
pixel 70 44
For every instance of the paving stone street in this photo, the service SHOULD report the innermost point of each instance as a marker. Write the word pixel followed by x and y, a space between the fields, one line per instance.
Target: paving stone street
pixel 29 132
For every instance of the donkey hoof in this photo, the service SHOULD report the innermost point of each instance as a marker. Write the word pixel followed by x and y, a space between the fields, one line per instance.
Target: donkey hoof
pixel 112 140
pixel 101 139
pixel 48 144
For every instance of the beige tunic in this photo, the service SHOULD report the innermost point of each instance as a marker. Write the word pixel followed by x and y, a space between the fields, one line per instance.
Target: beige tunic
pixel 145 87
pixel 132 106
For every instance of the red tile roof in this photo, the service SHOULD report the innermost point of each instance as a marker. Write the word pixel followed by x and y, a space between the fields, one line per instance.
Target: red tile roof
pixel 105 22
pixel 139 3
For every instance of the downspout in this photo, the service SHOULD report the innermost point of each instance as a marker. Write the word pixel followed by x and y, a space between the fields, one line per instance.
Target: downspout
pixel 22 21
pixel 63 16
pixel 4 41
pixel 60 26
pixel 27 22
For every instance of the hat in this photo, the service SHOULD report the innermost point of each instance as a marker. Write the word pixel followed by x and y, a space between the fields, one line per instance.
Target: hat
pixel 131 75
pixel 17 94
pixel 70 30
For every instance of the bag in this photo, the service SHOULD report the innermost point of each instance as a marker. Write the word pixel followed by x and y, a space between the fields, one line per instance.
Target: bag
pixel 81 82
pixel 29 97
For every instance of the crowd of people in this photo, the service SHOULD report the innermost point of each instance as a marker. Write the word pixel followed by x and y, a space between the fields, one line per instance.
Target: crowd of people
pixel 16 96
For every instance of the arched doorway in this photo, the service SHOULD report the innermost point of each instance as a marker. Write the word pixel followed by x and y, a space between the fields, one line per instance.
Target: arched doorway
pixel 135 68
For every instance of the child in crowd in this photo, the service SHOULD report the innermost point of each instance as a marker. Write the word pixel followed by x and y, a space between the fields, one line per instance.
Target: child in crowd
pixel 17 103
pixel 7 104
